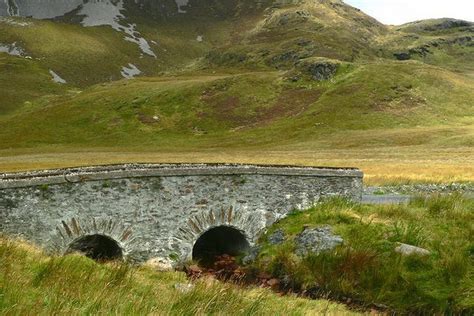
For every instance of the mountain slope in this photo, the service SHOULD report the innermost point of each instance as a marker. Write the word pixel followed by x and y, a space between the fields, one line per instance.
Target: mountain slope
pixel 237 75
pixel 201 109
pixel 447 43
pixel 22 80
pixel 289 33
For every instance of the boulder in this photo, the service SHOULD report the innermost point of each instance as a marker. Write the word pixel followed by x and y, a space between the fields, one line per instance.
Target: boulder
pixel 252 255
pixel 316 240
pixel 277 237
pixel 402 56
pixel 184 287
pixel 160 264
pixel 408 250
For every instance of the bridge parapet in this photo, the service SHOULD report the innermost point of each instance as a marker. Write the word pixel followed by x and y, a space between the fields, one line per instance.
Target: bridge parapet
pixel 71 175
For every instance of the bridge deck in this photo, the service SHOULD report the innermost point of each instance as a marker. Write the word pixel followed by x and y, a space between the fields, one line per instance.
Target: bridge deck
pixel 94 173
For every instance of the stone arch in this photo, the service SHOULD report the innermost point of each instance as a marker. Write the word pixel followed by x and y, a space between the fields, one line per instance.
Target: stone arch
pixel 93 236
pixel 249 223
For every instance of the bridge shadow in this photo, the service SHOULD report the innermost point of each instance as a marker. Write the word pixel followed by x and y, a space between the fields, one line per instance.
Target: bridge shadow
pixel 218 241
pixel 97 247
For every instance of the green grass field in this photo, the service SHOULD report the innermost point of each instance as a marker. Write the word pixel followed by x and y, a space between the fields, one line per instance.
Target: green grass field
pixel 408 122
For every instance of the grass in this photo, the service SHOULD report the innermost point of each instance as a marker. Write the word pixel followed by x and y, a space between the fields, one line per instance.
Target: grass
pixel 382 166
pixel 23 80
pixel 395 97
pixel 79 55
pixel 367 269
pixel 84 56
pixel 32 283
pixel 227 99
pixel 404 124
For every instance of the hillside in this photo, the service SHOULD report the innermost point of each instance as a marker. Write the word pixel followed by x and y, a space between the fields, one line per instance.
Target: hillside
pixel 447 43
pixel 313 82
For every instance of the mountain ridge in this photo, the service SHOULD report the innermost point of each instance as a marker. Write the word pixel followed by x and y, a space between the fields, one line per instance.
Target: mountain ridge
pixel 306 75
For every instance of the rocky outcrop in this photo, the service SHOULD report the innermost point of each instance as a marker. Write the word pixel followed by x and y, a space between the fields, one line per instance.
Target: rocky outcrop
pixel 318 69
pixel 317 240
pixel 321 70
pixel 424 50
pixel 448 24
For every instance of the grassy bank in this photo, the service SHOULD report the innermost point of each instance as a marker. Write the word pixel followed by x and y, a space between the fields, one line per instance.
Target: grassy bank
pixel 367 269
pixel 32 283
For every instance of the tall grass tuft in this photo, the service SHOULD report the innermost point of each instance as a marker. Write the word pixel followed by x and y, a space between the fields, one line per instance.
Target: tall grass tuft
pixel 32 283
pixel 408 233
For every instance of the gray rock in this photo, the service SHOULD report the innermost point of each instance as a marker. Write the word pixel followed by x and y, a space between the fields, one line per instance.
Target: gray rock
pixel 316 241
pixel 277 237
pixel 402 56
pixel 252 255
pixel 408 250
pixel 160 264
pixel 184 287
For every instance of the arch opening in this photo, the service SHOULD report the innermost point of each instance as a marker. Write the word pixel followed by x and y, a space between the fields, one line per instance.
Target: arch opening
pixel 97 247
pixel 218 241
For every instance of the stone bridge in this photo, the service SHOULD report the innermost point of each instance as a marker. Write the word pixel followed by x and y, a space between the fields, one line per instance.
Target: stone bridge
pixel 143 211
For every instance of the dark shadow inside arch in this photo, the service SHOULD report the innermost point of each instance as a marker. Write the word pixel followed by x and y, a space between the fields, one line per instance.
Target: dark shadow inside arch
pixel 218 241
pixel 97 247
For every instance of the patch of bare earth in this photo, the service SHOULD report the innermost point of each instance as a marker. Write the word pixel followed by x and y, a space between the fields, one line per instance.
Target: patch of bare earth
pixel 231 109
pixel 145 119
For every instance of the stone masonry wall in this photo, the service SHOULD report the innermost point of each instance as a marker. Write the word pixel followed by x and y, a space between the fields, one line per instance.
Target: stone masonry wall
pixel 160 210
